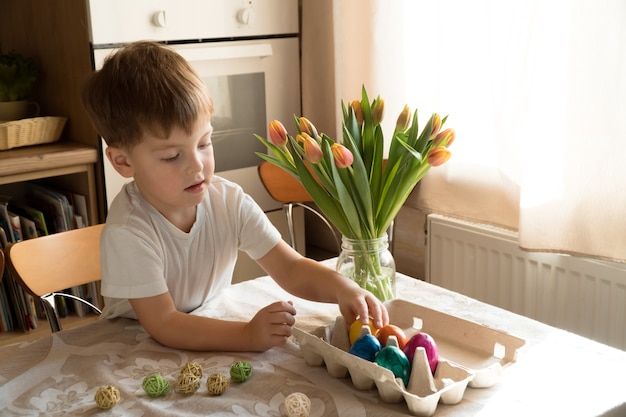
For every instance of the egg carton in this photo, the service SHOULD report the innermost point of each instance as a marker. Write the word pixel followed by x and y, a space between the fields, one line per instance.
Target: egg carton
pixel 470 355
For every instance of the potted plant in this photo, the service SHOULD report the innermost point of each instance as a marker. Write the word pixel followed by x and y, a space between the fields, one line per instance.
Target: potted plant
pixel 18 76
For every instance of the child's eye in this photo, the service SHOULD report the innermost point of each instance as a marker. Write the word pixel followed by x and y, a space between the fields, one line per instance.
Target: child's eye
pixel 205 145
pixel 171 159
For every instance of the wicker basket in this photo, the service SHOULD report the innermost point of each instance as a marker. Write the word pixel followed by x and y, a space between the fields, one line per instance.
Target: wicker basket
pixel 34 131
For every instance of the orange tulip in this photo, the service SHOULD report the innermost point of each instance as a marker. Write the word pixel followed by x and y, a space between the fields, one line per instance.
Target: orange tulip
pixel 312 149
pixel 445 138
pixel 438 156
pixel 342 155
pixel 278 133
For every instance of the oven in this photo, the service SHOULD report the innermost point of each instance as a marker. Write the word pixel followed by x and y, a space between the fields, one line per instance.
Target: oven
pixel 247 52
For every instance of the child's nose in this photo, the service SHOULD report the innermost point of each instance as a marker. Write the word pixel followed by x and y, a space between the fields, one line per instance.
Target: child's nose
pixel 196 164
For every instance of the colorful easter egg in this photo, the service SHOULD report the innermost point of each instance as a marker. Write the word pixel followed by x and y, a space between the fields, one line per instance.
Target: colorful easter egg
pixel 366 347
pixel 357 326
pixel 394 359
pixel 428 343
pixel 391 330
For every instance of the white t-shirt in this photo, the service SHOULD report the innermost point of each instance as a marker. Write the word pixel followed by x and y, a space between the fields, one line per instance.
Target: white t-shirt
pixel 144 255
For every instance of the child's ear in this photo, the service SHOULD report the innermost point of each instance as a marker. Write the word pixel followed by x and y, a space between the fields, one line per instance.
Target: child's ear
pixel 119 160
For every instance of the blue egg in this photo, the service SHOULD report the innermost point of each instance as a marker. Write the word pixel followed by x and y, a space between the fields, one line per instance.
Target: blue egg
pixel 392 358
pixel 366 347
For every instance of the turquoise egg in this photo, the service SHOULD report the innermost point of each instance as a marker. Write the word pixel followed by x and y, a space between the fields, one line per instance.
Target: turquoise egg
pixel 392 358
pixel 366 347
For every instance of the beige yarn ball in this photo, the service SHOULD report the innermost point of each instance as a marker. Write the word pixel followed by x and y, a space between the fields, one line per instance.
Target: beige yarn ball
pixel 106 397
pixel 216 384
pixel 193 368
pixel 187 383
pixel 297 404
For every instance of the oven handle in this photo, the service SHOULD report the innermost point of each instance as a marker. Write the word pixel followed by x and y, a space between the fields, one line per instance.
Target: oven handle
pixel 213 53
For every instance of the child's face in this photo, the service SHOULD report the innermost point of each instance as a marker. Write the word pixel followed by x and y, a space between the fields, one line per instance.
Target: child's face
pixel 173 174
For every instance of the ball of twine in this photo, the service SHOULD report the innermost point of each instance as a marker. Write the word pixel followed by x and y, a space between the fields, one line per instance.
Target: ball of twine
pixel 193 368
pixel 297 404
pixel 240 371
pixel 106 397
pixel 187 383
pixel 216 384
pixel 155 385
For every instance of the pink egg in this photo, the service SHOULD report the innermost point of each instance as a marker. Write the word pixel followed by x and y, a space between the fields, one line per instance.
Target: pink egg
pixel 428 343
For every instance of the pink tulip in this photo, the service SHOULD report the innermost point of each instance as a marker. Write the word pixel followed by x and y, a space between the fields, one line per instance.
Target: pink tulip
pixel 438 156
pixel 342 155
pixel 312 149
pixel 278 133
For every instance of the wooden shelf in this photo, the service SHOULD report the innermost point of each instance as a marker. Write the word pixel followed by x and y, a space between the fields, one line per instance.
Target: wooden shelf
pixel 32 160
pixel 69 164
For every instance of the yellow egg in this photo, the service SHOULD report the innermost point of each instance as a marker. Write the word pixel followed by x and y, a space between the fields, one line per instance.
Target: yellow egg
pixel 355 330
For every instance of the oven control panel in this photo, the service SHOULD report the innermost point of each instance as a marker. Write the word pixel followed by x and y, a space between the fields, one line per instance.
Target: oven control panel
pixel 121 21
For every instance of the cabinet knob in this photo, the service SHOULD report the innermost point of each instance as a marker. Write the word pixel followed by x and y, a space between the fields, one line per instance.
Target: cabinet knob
pixel 159 19
pixel 246 16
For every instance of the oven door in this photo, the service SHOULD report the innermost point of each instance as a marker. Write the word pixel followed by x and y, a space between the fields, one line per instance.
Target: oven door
pixel 251 82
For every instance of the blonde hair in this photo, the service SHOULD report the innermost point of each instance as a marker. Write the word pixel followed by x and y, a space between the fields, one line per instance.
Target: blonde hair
pixel 144 88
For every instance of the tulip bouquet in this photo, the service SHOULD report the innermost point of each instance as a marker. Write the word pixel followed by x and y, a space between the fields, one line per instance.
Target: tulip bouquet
pixel 349 180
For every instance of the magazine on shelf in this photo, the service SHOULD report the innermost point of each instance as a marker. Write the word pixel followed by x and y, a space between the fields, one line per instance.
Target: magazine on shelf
pixel 41 211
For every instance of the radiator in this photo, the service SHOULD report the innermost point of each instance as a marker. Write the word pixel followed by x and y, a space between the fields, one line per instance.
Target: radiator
pixel 581 295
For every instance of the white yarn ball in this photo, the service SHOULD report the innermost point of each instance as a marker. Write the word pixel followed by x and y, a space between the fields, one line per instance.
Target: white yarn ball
pixel 297 404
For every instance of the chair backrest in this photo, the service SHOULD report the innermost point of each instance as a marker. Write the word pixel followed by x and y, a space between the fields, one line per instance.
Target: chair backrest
pixel 281 185
pixel 58 261
pixel 47 265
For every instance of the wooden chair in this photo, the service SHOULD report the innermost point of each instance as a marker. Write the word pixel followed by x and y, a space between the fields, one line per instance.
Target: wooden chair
pixel 49 264
pixel 285 189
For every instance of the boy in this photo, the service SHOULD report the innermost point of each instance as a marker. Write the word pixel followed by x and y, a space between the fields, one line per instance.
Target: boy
pixel 172 234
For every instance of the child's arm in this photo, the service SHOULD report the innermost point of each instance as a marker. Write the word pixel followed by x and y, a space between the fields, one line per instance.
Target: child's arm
pixel 311 280
pixel 270 327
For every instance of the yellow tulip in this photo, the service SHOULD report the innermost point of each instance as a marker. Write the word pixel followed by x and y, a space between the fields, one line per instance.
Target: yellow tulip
pixel 278 133
pixel 342 155
pixel 435 125
pixel 438 156
pixel 404 119
pixel 378 111
pixel 358 111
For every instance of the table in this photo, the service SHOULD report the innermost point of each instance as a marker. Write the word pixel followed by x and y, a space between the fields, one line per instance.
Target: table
pixel 557 373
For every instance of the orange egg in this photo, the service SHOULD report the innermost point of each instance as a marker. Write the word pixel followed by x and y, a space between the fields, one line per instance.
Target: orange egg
pixel 355 330
pixel 392 330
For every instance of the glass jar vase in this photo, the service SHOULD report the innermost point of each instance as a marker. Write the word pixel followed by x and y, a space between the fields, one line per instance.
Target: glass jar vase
pixel 370 264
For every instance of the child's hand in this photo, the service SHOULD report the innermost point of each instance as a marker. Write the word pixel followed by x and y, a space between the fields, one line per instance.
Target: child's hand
pixel 271 326
pixel 359 303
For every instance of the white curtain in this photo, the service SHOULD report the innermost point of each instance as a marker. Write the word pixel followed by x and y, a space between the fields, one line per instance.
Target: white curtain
pixel 536 90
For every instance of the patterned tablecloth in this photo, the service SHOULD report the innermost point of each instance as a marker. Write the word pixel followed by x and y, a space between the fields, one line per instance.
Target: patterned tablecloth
pixel 557 373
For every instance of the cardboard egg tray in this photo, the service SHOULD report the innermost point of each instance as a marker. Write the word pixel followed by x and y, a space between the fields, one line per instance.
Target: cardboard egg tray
pixel 470 354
